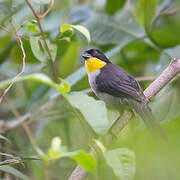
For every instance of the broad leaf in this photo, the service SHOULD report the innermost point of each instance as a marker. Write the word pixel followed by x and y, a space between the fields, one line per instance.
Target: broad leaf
pixel 65 27
pixel 93 111
pixel 83 30
pixel 122 161
pixel 39 50
pixel 112 6
pixel 145 12
pixel 32 28
pixel 87 161
pixel 121 28
pixel 79 28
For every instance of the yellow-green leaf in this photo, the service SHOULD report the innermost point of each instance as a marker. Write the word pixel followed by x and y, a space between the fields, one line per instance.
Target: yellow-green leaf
pixel 79 28
pixel 83 30
pixel 87 161
pixel 64 88
pixel 66 27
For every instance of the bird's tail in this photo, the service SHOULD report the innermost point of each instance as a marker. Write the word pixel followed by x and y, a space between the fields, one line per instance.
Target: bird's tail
pixel 146 114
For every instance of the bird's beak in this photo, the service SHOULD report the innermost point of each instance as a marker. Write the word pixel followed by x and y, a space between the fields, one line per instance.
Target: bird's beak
pixel 86 55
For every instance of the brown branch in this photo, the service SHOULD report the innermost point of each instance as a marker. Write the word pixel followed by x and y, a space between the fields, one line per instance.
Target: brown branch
pixel 38 17
pixel 22 70
pixel 171 71
pixel 145 79
pixel 42 15
pixel 167 75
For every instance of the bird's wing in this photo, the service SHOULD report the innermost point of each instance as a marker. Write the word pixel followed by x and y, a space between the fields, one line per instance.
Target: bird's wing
pixel 117 82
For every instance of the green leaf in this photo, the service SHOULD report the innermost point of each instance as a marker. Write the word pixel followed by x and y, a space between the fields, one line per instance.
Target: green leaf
pixel 79 28
pixel 122 161
pixel 64 88
pixel 119 29
pixel 83 30
pixel 32 28
pixel 14 172
pixel 66 27
pixel 94 111
pixel 39 50
pixel 87 161
pixel 145 12
pixel 68 63
pixel 37 77
pixel 112 6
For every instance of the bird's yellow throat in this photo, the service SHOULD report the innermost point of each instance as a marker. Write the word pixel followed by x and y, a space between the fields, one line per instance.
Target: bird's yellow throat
pixel 93 64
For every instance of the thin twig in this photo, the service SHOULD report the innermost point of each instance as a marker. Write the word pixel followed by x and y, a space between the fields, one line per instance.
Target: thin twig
pixel 145 79
pixel 32 8
pixel 58 80
pixel 22 70
pixel 42 15
pixel 38 17
pixel 166 76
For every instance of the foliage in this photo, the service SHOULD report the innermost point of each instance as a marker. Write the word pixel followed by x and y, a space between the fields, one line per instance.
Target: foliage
pixel 48 121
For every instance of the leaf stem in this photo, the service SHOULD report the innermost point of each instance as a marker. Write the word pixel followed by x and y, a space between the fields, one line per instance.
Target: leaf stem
pixel 38 17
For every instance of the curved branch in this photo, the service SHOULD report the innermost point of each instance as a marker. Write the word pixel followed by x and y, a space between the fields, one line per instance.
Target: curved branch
pixel 47 11
pixel 18 38
pixel 167 75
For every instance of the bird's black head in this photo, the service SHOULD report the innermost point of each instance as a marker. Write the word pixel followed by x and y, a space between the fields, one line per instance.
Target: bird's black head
pixel 96 54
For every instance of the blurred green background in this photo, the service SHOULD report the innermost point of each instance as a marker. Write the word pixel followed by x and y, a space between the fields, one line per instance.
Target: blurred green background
pixel 141 36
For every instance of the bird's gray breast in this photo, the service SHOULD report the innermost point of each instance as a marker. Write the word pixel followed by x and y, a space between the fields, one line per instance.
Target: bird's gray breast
pixel 107 98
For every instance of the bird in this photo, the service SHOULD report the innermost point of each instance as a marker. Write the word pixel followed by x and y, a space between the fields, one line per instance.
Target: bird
pixel 118 88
